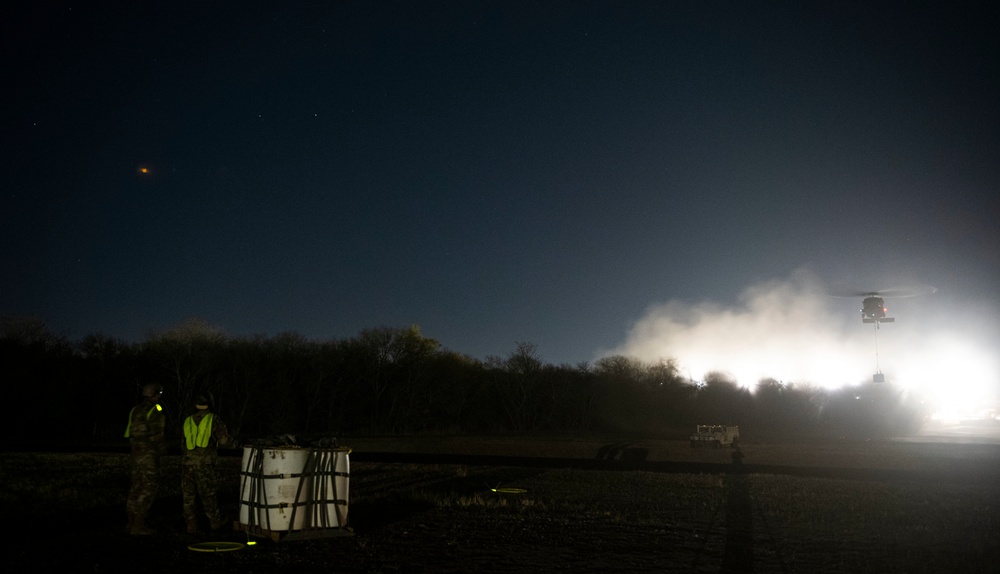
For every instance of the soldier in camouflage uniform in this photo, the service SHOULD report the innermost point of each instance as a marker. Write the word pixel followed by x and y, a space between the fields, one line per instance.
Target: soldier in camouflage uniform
pixel 204 432
pixel 145 429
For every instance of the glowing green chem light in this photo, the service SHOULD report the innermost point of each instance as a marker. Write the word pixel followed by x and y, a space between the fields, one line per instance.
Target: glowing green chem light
pixel 507 490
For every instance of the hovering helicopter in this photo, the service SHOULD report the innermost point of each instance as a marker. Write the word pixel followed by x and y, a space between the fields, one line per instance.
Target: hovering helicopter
pixel 873 310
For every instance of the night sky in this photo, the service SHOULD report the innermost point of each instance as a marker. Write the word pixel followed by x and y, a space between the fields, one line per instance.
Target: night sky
pixel 568 174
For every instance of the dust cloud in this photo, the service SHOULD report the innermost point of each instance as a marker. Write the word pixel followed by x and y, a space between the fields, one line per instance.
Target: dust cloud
pixel 794 331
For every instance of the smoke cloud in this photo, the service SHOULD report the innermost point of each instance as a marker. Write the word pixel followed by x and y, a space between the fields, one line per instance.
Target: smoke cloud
pixel 794 331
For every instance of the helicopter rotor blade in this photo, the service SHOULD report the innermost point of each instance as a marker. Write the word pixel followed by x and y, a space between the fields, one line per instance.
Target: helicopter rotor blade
pixel 851 294
pixel 888 293
pixel 908 292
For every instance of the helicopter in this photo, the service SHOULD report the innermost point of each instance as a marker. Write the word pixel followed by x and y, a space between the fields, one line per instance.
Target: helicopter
pixel 874 311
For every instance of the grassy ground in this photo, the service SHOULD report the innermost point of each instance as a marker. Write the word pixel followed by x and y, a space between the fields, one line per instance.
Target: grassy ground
pixel 68 513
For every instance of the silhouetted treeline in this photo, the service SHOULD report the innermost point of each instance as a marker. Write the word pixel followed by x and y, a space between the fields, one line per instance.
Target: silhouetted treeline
pixel 395 381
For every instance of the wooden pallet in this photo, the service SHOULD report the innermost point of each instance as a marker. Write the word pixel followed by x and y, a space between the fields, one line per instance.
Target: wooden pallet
pixel 308 534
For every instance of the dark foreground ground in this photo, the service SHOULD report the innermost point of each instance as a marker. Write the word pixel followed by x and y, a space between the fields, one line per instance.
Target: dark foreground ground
pixel 427 505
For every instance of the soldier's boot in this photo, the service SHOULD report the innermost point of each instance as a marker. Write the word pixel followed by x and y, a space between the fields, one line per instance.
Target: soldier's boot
pixel 192 525
pixel 138 526
pixel 218 522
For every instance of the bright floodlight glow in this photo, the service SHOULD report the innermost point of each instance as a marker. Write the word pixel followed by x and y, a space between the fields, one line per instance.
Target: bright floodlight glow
pixel 793 332
pixel 956 375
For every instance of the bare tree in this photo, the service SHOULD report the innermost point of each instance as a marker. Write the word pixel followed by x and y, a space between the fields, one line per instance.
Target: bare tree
pixel 393 359
pixel 516 380
pixel 185 355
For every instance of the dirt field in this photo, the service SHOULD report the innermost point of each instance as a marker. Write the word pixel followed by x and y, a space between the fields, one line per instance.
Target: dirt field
pixel 582 506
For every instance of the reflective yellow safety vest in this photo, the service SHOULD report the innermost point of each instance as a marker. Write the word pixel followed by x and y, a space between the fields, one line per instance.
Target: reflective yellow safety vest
pixel 128 429
pixel 198 435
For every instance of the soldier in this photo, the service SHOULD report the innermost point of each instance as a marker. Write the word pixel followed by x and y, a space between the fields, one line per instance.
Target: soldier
pixel 145 428
pixel 204 432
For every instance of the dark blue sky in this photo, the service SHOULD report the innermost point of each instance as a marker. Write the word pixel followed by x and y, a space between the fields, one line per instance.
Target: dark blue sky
pixel 491 171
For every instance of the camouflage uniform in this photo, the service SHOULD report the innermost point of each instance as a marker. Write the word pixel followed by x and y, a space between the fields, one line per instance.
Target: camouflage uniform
pixel 145 431
pixel 198 478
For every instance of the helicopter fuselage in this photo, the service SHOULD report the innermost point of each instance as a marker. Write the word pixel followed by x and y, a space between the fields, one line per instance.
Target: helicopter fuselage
pixel 873 311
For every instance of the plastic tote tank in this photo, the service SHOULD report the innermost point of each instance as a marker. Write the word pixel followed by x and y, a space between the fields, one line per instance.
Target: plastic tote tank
pixel 287 489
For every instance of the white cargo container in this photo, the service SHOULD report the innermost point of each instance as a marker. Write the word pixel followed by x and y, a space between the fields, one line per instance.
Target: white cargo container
pixel 292 492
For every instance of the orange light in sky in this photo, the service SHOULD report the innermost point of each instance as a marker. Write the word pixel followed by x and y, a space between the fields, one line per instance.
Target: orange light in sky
pixel 143 169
